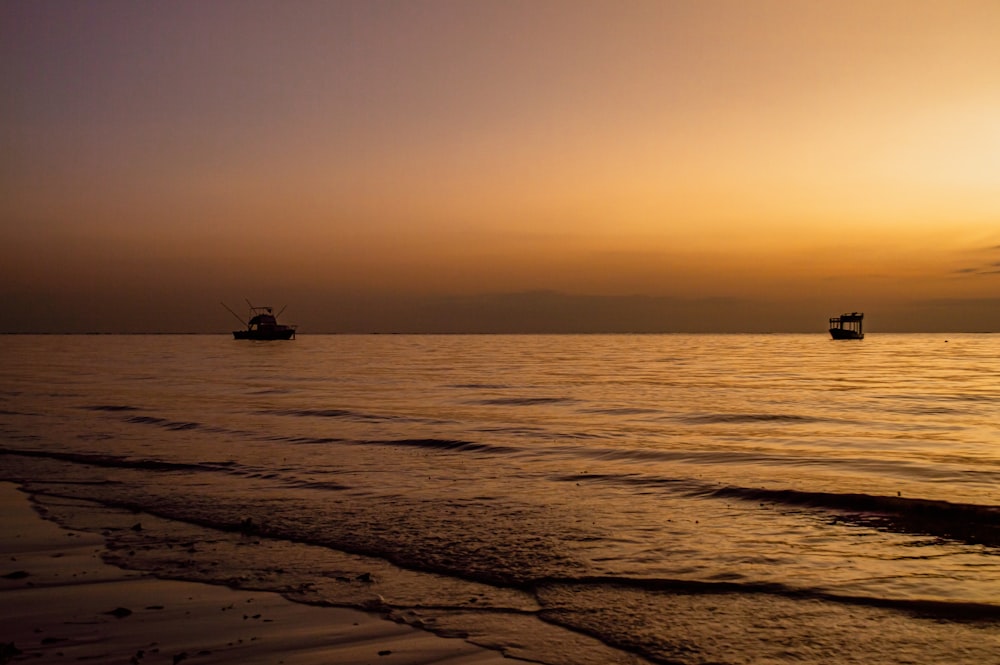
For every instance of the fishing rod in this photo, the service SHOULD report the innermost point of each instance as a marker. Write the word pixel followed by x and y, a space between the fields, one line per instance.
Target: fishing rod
pixel 233 313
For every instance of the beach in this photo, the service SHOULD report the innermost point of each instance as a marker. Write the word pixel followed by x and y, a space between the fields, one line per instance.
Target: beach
pixel 59 603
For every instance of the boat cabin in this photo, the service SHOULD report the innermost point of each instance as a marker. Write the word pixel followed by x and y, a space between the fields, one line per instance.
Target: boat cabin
pixel 264 320
pixel 848 326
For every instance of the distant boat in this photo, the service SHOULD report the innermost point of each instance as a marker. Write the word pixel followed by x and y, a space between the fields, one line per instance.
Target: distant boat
pixel 848 326
pixel 262 324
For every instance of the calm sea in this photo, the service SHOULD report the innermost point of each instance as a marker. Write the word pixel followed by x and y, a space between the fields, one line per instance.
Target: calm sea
pixel 568 499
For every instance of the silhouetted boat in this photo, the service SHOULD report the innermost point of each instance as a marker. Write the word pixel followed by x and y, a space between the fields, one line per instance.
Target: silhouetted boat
pixel 262 324
pixel 848 326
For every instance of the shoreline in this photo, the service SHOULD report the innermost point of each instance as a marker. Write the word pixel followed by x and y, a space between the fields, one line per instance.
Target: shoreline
pixel 63 603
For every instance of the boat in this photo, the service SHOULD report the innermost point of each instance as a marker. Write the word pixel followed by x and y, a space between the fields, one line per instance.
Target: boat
pixel 262 324
pixel 848 326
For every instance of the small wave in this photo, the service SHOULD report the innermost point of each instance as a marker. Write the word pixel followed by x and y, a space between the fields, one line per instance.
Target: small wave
pixel 326 413
pixel 519 430
pixel 522 401
pixel 146 420
pixel 680 485
pixel 94 436
pixel 479 386
pixel 451 445
pixel 691 456
pixel 960 397
pixel 621 411
pixel 709 418
pixel 318 485
pixel 312 440
pixel 116 461
pixel 162 422
pixel 110 407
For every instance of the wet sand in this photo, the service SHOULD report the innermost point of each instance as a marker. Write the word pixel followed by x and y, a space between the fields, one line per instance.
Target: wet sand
pixel 59 603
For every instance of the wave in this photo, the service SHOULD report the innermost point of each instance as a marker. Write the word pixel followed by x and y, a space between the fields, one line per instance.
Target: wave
pixel 180 426
pixel 228 467
pixel 974 524
pixel 479 386
pixel 709 418
pixel 522 401
pixel 312 440
pixel 621 411
pixel 119 462
pixel 965 522
pixel 326 413
pixel 520 430
pixel 940 609
pixel 110 407
pixel 318 485
pixel 346 414
pixel 959 397
pixel 430 443
pixel 451 445
pixel 693 456
pixel 163 422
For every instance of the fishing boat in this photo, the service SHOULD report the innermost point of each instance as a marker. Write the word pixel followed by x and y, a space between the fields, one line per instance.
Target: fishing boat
pixel 262 324
pixel 848 326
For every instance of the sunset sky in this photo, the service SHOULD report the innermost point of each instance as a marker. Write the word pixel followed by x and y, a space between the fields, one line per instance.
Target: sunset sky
pixel 449 166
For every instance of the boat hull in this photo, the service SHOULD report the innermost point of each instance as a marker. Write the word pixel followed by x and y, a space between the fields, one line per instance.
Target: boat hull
pixel 843 333
pixel 267 335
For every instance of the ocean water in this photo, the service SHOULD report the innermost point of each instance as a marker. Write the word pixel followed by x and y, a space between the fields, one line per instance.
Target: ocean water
pixel 566 499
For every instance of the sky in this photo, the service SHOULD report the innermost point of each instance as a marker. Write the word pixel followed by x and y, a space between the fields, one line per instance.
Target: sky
pixel 500 166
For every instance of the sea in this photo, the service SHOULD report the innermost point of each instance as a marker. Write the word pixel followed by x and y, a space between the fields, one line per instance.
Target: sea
pixel 565 499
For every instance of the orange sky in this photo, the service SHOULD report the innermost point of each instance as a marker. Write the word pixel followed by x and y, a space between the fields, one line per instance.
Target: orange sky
pixel 448 166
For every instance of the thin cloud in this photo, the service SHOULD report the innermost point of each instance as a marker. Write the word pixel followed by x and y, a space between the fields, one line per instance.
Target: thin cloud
pixel 991 268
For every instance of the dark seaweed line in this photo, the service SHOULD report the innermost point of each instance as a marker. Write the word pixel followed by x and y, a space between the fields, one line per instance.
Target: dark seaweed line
pixel 966 522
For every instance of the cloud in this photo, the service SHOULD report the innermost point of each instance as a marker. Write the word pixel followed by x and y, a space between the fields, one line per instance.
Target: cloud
pixel 990 268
